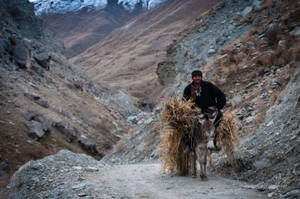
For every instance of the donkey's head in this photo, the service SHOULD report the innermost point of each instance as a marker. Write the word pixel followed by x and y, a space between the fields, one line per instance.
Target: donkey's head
pixel 208 127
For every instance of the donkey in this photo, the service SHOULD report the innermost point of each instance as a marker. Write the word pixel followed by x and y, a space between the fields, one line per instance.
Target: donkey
pixel 204 134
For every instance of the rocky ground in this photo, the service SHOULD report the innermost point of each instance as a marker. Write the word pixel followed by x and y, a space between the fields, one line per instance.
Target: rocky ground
pixel 69 175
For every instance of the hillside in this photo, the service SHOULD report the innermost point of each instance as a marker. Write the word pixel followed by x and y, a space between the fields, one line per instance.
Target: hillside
pixel 48 104
pixel 128 57
pixel 251 52
pixel 84 28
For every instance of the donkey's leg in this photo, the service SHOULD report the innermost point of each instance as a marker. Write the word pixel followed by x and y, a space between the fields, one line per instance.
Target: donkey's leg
pixel 201 154
pixel 204 163
pixel 211 164
pixel 194 166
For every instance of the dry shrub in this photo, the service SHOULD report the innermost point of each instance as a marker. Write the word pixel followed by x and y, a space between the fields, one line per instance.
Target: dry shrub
pixel 177 117
pixel 227 135
pixel 239 57
pixel 265 60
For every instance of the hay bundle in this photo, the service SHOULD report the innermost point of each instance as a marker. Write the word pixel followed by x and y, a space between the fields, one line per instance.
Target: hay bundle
pixel 177 118
pixel 227 135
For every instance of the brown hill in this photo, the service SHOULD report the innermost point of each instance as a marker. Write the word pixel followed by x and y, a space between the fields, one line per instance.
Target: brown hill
pixel 128 56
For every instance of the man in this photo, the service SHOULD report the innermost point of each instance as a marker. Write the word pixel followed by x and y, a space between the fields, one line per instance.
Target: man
pixel 206 96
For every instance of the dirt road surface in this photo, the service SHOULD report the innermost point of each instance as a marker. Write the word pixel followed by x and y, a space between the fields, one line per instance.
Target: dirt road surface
pixel 148 181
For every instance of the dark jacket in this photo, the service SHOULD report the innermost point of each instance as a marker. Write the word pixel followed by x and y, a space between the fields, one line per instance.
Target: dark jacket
pixel 210 95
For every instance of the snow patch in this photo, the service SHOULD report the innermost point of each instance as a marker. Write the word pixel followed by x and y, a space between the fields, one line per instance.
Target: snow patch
pixel 65 6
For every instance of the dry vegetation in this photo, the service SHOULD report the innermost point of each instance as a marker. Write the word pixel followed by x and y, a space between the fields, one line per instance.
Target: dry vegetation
pixel 179 118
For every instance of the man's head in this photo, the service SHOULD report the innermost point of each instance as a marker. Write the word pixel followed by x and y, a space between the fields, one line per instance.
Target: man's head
pixel 197 76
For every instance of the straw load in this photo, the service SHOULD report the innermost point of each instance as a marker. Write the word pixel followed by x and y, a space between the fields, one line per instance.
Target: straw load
pixel 178 118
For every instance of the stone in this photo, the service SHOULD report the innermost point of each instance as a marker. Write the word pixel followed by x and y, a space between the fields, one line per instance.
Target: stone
pixel 260 164
pixel 63 127
pixel 4 46
pixel 21 55
pixel 37 99
pixel 32 96
pixel 35 130
pixel 246 11
pixel 88 145
pixel 82 194
pixel 29 115
pixel 91 169
pixel 296 31
pixel 4 165
pixel 46 124
pixel 249 119
pixel 43 59
pixel 236 100
pixel 273 187
pixel 146 104
pixel 42 103
pixel 211 51
pixel 292 194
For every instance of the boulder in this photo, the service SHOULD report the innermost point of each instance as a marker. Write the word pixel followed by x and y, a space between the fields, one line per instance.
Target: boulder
pixel 37 99
pixel 43 59
pixel 38 125
pixel 35 130
pixel 21 54
pixel 46 124
pixel 146 105
pixel 88 145
pixel 4 46
pixel 29 115
pixel 42 103
pixel 63 127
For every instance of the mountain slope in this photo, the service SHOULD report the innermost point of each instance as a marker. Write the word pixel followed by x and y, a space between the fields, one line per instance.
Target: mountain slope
pixel 82 29
pixel 128 57
pixel 47 103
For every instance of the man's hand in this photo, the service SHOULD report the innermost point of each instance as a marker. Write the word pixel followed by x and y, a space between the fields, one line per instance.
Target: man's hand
pixel 213 108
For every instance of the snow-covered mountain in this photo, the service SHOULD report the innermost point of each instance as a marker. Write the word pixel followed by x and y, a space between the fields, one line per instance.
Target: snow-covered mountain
pixel 65 6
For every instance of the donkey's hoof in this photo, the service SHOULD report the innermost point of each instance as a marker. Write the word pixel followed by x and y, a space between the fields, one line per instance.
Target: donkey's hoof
pixel 203 177
pixel 194 175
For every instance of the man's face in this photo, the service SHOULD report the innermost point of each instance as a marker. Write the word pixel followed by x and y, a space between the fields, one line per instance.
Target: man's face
pixel 197 79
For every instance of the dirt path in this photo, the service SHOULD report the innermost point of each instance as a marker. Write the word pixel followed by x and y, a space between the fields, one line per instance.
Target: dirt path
pixel 147 181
